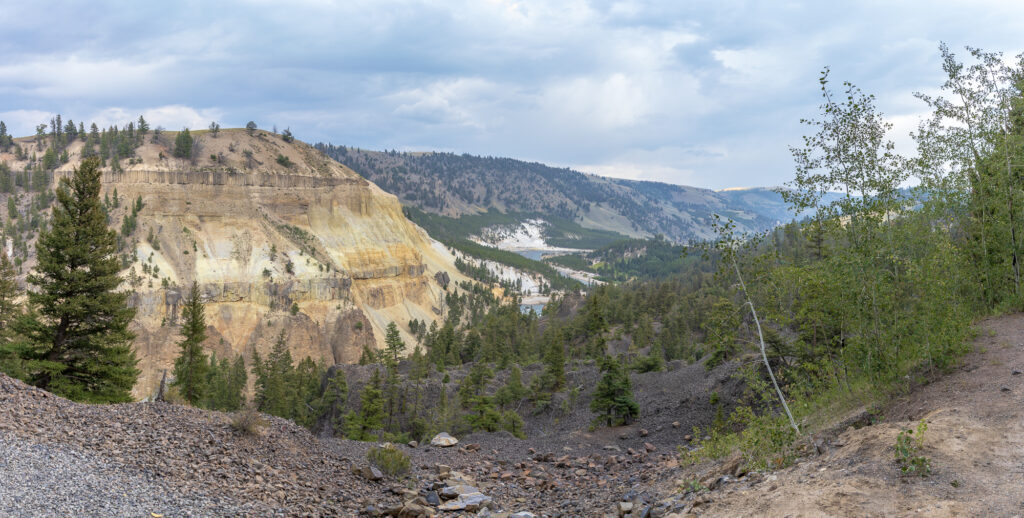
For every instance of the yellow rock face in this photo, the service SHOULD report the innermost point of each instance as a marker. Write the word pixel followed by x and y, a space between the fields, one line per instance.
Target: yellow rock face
pixel 310 249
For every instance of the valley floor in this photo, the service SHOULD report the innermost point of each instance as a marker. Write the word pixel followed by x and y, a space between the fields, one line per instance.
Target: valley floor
pixel 155 459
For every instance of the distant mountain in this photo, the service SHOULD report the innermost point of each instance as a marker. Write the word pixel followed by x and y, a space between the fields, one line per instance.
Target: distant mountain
pixel 456 186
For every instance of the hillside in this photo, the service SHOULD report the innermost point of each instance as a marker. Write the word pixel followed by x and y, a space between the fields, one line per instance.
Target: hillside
pixel 142 458
pixel 463 185
pixel 280 239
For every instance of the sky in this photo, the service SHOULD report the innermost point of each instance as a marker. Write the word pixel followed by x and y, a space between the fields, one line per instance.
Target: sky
pixel 708 94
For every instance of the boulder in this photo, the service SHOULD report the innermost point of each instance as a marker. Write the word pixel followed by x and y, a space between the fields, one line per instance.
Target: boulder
pixel 458 490
pixel 467 501
pixel 370 473
pixel 443 440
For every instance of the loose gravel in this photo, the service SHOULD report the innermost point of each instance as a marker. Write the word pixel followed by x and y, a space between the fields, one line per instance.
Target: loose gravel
pixel 57 480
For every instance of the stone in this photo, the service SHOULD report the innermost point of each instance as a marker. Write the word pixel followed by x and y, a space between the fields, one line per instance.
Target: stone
pixel 523 514
pixel 731 465
pixel 675 424
pixel 443 440
pixel 458 490
pixel 473 447
pixel 643 432
pixel 467 501
pixel 432 498
pixel 413 444
pixel 650 447
pixel 442 470
pixel 687 437
pixel 412 510
pixel 369 472
pixel 625 507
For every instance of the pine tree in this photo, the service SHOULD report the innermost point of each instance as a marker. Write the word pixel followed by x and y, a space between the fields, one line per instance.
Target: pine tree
pixel 143 127
pixel 273 377
pixel 334 397
pixel 9 311
pixel 554 365
pixel 8 293
pixel 190 368
pixel 305 383
pixel 237 381
pixel 513 390
pixel 183 144
pixel 358 426
pixel 79 345
pixel 613 398
pixel 368 356
pixel 393 344
pixel 226 381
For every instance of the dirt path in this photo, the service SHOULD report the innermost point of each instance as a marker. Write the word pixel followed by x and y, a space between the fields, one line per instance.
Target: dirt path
pixel 975 440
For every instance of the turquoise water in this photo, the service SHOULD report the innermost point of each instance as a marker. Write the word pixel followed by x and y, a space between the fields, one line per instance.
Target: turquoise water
pixel 532 254
pixel 525 308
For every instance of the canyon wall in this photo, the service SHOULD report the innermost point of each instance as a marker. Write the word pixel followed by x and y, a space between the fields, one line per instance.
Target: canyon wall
pixel 299 245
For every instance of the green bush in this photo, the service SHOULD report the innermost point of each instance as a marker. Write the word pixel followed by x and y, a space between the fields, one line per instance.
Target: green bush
pixel 389 459
pixel 908 449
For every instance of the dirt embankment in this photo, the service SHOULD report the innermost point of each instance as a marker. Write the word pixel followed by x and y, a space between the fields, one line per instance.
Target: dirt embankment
pixel 974 441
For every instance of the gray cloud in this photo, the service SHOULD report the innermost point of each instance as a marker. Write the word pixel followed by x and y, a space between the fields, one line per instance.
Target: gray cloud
pixel 703 93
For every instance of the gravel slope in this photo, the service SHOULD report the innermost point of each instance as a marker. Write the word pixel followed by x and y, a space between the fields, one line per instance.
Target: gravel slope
pixel 56 480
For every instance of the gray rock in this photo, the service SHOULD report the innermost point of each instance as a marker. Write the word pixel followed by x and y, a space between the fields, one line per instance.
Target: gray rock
pixel 467 501
pixel 432 498
pixel 443 440
pixel 458 490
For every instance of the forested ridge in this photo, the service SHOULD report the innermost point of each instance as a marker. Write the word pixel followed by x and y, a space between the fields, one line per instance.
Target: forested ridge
pixel 457 186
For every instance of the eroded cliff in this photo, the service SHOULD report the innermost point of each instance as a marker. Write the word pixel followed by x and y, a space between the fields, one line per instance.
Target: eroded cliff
pixel 279 239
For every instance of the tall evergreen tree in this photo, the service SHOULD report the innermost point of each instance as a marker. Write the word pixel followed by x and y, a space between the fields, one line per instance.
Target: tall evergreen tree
pixel 78 342
pixel 190 368
pixel 393 344
pixel 183 144
pixel 273 376
pixel 9 311
pixel 359 426
pixel 613 399
pixel 8 293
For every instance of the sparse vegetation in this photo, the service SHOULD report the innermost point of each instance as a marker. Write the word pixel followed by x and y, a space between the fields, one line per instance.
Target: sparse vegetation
pixel 392 461
pixel 908 452
pixel 248 421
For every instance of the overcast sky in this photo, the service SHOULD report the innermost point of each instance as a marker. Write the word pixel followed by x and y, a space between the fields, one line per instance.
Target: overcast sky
pixel 697 93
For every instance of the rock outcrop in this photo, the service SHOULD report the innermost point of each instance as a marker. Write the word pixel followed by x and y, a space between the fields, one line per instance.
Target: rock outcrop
pixel 279 239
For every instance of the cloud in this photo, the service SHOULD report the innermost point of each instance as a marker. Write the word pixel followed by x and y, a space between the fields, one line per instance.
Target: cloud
pixel 172 117
pixel 22 123
pixel 706 93
pixel 449 102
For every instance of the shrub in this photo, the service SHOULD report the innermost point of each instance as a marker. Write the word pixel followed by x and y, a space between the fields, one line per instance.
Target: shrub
pixel 247 421
pixel 283 160
pixel 389 459
pixel 173 396
pixel 908 447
